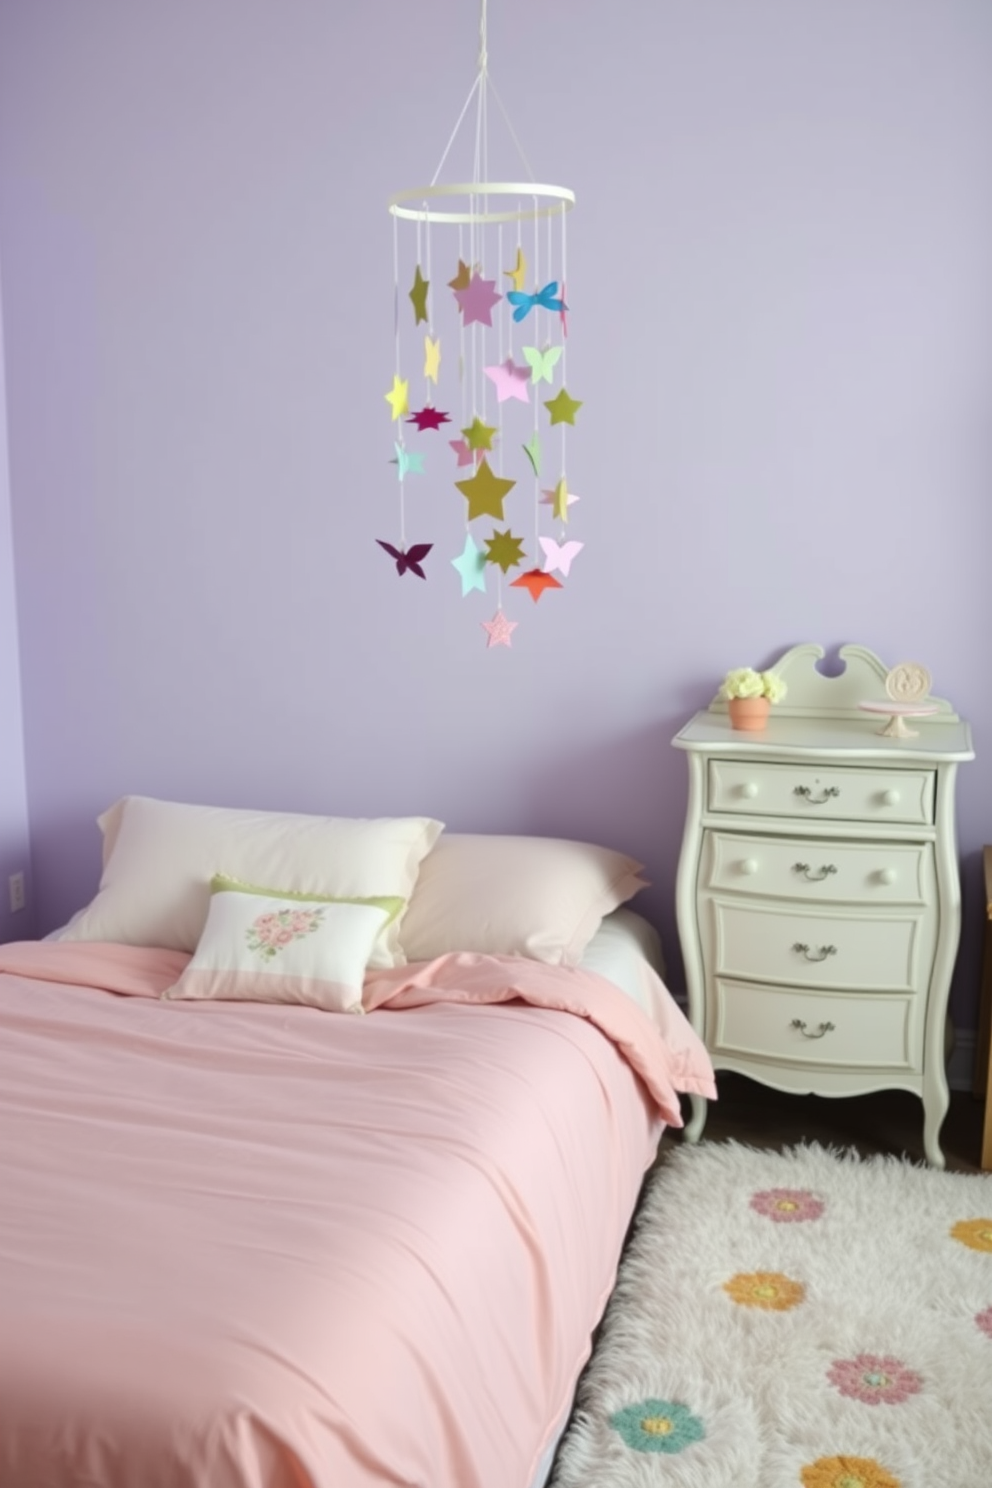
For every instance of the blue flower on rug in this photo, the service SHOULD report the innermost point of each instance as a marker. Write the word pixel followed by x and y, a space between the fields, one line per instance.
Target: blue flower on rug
pixel 658 1426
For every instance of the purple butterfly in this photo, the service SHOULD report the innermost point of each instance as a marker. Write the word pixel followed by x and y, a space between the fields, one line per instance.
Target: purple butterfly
pixel 411 559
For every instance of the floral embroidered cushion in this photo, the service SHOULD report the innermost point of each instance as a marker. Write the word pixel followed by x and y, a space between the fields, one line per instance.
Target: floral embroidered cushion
pixel 273 945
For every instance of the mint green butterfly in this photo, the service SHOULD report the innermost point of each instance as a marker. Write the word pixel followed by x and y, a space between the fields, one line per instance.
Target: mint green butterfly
pixel 542 363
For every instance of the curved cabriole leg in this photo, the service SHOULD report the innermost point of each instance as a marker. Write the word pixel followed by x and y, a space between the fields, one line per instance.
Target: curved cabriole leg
pixel 694 1126
pixel 934 1110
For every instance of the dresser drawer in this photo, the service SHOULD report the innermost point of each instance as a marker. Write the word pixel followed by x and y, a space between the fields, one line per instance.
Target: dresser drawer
pixel 887 951
pixel 818 870
pixel 882 1032
pixel 821 793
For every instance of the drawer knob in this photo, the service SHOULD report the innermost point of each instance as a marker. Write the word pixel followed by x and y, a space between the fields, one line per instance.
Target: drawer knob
pixel 824 871
pixel 800 1023
pixel 749 866
pixel 890 798
pixel 887 875
pixel 806 791
pixel 820 954
pixel 749 790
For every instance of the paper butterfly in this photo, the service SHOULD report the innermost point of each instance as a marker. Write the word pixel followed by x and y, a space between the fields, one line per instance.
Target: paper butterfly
pixel 542 363
pixel 409 560
pixel 545 298
pixel 559 556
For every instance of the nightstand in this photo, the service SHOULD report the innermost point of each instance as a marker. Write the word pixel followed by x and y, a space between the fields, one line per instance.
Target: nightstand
pixel 818 896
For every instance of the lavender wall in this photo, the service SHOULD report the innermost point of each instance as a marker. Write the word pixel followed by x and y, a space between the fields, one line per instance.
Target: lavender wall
pixel 779 272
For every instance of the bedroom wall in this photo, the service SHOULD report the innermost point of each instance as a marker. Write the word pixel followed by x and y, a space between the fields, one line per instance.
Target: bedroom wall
pixel 781 330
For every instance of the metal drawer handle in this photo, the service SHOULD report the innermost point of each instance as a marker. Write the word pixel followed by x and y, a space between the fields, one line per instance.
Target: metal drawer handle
pixel 806 792
pixel 825 871
pixel 825 951
pixel 823 1028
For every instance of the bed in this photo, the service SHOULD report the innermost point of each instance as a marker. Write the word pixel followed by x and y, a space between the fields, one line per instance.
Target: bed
pixel 251 1244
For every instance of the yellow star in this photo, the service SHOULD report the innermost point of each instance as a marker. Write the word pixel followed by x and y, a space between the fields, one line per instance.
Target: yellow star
pixel 519 270
pixel 562 408
pixel 559 507
pixel 432 357
pixel 479 435
pixel 418 296
pixel 398 396
pixel 463 278
pixel 505 549
pixel 485 492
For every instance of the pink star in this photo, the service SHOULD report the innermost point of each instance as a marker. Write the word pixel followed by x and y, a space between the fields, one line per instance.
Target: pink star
pixel 563 312
pixel 499 629
pixel 510 381
pixel 464 452
pixel 477 300
pixel 548 498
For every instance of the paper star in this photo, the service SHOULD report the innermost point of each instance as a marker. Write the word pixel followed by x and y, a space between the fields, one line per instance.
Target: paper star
pixel 485 493
pixel 462 279
pixel 476 301
pixel 542 363
pixel 559 556
pixel 410 559
pixel 519 270
pixel 418 296
pixel 479 435
pixel 471 565
pixel 509 380
pixel 429 418
pixel 535 582
pixel 398 396
pixel 562 408
pixel 408 462
pixel 499 629
pixel 432 358
pixel 466 455
pixel 560 499
pixel 563 312
pixel 532 449
pixel 505 550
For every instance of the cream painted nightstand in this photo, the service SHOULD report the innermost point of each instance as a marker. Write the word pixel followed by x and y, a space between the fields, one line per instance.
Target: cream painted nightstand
pixel 818 895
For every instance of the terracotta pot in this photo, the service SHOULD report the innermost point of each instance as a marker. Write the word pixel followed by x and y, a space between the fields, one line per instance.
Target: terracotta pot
pixel 748 713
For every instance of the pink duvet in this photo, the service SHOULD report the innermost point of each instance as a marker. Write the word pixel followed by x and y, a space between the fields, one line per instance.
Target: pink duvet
pixel 253 1246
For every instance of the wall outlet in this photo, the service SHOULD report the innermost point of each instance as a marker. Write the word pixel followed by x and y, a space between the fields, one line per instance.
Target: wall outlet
pixel 16 882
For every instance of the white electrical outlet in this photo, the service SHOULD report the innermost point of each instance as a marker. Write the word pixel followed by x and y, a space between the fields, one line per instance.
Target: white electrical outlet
pixel 16 882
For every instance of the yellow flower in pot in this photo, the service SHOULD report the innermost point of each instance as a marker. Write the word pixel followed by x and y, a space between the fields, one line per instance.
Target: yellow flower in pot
pixel 750 695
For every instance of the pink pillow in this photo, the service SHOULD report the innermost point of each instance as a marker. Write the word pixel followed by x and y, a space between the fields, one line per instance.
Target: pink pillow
pixel 541 897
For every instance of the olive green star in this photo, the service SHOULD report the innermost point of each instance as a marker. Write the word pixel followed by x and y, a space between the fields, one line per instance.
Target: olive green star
pixel 485 492
pixel 505 549
pixel 418 296
pixel 562 408
pixel 479 435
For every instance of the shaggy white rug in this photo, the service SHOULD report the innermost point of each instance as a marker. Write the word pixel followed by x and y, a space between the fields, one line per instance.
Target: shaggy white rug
pixel 804 1319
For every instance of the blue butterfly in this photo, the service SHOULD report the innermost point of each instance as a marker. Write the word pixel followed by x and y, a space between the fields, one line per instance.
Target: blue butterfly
pixel 545 298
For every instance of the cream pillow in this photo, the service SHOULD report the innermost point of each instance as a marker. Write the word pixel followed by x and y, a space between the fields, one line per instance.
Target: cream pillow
pixel 268 945
pixel 540 897
pixel 161 855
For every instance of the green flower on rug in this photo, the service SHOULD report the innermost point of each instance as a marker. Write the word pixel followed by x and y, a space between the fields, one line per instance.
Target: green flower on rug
pixel 658 1426
pixel 847 1472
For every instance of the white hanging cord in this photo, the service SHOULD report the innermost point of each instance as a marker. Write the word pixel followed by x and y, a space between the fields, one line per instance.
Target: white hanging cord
pixel 513 135
pixel 396 291
pixel 454 132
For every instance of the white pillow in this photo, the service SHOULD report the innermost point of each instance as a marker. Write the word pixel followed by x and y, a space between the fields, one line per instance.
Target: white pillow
pixel 541 897
pixel 161 855
pixel 267 945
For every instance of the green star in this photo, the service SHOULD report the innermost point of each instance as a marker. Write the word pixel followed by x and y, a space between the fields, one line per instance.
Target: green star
pixel 479 435
pixel 505 549
pixel 418 296
pixel 532 449
pixel 485 492
pixel 562 408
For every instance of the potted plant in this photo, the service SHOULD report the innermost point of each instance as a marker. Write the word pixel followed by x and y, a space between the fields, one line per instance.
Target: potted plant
pixel 750 695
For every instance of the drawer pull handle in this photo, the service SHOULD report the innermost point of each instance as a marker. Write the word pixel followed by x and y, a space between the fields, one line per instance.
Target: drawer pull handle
pixel 890 798
pixel 825 871
pixel 806 792
pixel 801 1025
pixel 824 951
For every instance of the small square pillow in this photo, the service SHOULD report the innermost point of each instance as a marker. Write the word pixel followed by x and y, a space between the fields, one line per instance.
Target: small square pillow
pixel 270 945
pixel 541 897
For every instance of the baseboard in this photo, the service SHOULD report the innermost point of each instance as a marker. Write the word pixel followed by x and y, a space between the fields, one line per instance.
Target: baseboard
pixel 962 1060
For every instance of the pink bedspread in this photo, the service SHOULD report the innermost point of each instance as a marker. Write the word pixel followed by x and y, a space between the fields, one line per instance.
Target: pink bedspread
pixel 251 1246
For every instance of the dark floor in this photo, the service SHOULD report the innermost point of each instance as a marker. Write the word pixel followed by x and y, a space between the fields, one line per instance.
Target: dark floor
pixel 888 1121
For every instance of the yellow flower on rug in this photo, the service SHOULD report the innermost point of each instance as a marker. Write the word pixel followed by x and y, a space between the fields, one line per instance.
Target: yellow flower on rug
pixel 975 1233
pixel 847 1472
pixel 768 1289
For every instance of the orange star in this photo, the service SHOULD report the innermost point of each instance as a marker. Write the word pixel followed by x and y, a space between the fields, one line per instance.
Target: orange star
pixel 535 582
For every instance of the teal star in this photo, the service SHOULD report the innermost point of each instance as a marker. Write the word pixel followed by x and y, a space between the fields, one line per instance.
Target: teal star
pixel 408 462
pixel 471 565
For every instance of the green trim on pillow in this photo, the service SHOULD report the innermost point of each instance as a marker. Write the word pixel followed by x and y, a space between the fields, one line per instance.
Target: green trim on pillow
pixel 391 903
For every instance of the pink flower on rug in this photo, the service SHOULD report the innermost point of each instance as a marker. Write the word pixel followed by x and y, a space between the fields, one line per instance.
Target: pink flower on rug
pixel 983 1320
pixel 787 1205
pixel 875 1379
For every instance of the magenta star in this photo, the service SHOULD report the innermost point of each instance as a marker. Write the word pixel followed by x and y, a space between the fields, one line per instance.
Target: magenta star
pixel 510 381
pixel 429 418
pixel 477 300
pixel 466 455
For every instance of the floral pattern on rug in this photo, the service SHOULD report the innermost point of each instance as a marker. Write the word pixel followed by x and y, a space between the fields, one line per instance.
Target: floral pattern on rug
pixel 658 1426
pixel 847 1472
pixel 875 1379
pixel 768 1289
pixel 975 1233
pixel 983 1320
pixel 787 1205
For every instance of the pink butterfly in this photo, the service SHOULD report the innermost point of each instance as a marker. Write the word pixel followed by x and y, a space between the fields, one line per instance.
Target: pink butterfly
pixel 559 556
pixel 410 559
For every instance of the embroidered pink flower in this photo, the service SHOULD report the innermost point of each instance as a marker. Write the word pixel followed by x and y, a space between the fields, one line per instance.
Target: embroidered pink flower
pixel 787 1205
pixel 875 1379
pixel 983 1320
pixel 270 933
